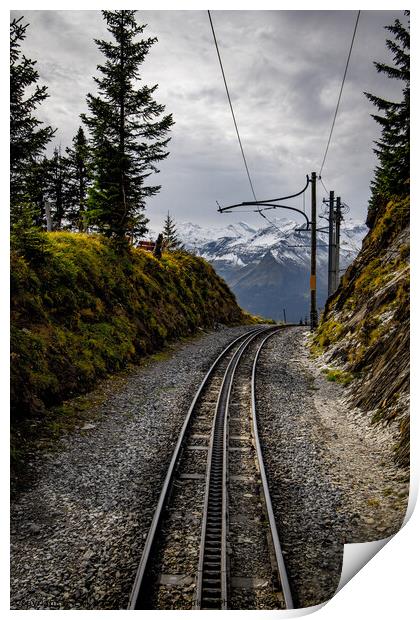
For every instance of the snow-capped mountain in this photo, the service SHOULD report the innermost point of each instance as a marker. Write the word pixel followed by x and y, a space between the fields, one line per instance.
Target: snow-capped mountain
pixel 240 243
pixel 268 267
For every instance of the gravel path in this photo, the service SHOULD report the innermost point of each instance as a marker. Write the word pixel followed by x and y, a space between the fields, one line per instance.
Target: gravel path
pixel 331 474
pixel 78 532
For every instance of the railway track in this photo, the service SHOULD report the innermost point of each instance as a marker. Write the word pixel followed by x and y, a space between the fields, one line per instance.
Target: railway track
pixel 213 541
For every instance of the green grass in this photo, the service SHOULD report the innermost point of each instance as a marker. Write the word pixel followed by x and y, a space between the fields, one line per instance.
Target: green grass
pixel 328 333
pixel 81 311
pixel 365 324
pixel 338 376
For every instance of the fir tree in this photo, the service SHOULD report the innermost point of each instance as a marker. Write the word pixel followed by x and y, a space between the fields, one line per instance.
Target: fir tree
pixel 57 188
pixel 27 239
pixel 393 148
pixel 78 181
pixel 170 237
pixel 27 139
pixel 38 187
pixel 127 131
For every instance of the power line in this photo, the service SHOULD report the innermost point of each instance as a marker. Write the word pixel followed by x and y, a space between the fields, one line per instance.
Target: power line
pixel 351 242
pixel 273 224
pixel 237 130
pixel 231 107
pixel 322 183
pixel 341 90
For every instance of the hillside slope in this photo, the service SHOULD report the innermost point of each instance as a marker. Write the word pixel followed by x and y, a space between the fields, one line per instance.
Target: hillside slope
pixel 365 326
pixel 268 268
pixel 80 311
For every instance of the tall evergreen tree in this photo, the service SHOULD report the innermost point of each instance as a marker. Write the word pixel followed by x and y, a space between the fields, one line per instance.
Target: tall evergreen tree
pixel 57 188
pixel 393 148
pixel 37 187
pixel 170 237
pixel 127 131
pixel 27 138
pixel 78 181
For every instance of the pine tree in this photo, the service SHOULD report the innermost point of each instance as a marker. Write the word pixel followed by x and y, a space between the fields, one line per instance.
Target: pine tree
pixel 393 149
pixel 170 237
pixel 127 136
pixel 78 180
pixel 27 139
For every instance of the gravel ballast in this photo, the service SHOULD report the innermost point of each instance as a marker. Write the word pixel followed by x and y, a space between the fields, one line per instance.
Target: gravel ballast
pixel 78 531
pixel 331 473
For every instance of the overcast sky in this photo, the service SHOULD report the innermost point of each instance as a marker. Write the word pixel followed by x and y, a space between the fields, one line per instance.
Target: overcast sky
pixel 284 70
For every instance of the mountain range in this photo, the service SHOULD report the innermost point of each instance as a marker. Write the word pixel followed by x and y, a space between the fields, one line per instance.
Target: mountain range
pixel 268 267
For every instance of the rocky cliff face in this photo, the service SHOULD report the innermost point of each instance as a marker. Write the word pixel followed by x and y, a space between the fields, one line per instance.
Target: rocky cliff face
pixel 365 326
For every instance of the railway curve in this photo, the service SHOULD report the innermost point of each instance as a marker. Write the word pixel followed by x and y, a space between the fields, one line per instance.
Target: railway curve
pixel 213 542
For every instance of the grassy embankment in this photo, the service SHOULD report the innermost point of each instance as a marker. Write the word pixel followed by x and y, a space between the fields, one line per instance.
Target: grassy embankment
pixel 364 330
pixel 81 311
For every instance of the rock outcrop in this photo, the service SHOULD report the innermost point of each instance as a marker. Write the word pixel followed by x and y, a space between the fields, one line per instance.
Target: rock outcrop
pixel 365 326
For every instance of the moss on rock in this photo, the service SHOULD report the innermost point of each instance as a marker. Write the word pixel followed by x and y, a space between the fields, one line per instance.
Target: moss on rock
pixel 365 325
pixel 82 311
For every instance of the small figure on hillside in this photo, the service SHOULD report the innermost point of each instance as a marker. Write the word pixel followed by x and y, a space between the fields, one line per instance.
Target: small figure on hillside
pixel 306 320
pixel 158 247
pixel 300 322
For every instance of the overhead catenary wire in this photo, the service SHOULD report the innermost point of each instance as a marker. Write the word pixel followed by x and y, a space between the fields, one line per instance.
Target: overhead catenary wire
pixel 350 241
pixel 236 126
pixel 340 93
pixel 282 232
pixel 258 210
pixel 322 183
pixel 231 107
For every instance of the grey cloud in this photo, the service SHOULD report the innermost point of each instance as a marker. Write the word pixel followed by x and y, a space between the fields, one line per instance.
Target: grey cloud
pixel 284 69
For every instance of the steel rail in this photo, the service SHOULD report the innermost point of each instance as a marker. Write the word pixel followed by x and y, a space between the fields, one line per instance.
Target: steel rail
pixel 136 591
pixel 211 591
pixel 273 527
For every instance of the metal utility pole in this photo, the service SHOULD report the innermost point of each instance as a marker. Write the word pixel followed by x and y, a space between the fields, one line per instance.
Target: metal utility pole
pixel 284 314
pixel 331 247
pixel 337 242
pixel 47 207
pixel 271 204
pixel 314 313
